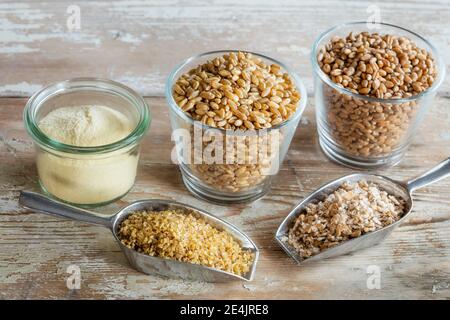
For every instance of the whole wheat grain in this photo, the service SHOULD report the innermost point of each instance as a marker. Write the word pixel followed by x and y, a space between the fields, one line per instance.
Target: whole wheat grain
pixel 378 66
pixel 236 92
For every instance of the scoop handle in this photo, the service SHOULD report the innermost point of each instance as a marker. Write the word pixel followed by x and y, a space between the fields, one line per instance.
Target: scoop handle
pixel 441 171
pixel 52 207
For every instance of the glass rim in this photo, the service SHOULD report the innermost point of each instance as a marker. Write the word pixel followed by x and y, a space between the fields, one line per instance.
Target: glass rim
pixel 93 84
pixel 324 77
pixel 175 108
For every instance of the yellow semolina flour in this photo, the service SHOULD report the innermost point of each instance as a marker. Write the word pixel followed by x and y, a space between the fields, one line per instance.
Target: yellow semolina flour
pixel 87 178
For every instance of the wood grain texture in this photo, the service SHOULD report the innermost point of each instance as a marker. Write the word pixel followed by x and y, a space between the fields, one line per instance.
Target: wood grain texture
pixel 35 249
pixel 138 43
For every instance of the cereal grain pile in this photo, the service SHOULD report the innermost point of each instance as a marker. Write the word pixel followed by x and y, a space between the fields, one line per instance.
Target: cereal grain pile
pixel 182 236
pixel 237 91
pixel 351 211
pixel 378 66
pixel 381 66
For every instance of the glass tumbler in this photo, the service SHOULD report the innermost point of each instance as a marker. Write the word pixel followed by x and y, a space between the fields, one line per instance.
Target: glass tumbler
pixel 87 176
pixel 228 166
pixel 367 132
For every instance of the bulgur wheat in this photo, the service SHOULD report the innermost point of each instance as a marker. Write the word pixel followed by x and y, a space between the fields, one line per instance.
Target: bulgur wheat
pixel 183 236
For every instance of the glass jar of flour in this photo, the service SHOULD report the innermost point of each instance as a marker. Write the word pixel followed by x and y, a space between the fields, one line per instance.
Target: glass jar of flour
pixel 86 133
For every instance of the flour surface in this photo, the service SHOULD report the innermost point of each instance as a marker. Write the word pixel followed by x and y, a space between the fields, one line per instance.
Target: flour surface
pixel 86 126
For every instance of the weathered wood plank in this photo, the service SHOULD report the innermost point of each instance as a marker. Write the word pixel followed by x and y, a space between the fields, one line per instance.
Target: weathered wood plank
pixel 139 42
pixel 35 249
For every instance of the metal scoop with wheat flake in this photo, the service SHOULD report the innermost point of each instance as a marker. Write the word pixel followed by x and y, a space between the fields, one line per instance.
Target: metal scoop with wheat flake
pixel 401 190
pixel 142 262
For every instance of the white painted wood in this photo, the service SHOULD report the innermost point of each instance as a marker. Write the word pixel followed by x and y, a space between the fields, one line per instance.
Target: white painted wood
pixel 139 42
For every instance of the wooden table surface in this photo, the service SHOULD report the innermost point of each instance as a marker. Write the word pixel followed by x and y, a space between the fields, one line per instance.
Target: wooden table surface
pixel 138 43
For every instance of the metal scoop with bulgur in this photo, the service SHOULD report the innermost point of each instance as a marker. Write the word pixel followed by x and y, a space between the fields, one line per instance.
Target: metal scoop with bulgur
pixel 182 236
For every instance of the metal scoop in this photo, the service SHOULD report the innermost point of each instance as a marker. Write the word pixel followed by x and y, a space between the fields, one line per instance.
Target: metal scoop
pixel 399 189
pixel 142 262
